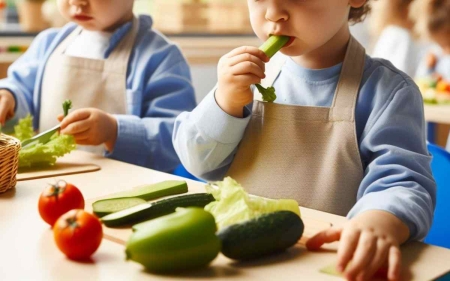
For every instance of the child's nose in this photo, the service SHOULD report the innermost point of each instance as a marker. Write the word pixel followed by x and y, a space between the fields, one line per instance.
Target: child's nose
pixel 276 13
pixel 78 2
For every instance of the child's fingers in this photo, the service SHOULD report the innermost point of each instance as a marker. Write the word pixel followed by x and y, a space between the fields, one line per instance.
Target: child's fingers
pixel 247 79
pixel 60 117
pixel 395 263
pixel 377 261
pixel 363 255
pixel 4 111
pixel 248 67
pixel 76 127
pixel 347 247
pixel 83 136
pixel 250 50
pixel 327 236
pixel 77 115
pixel 247 57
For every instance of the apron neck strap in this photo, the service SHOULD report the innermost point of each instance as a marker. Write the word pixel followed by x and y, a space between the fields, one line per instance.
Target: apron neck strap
pixel 118 59
pixel 344 103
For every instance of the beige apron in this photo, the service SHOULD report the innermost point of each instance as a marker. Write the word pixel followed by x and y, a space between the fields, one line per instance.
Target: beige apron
pixel 87 82
pixel 309 154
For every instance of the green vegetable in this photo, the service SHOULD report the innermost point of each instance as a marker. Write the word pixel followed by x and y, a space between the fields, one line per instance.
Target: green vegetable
pixel 274 44
pixel 40 155
pixel 153 191
pixel 268 94
pixel 233 205
pixel 264 235
pixel 24 129
pixel 107 206
pixel 156 209
pixel 66 106
pixel 270 48
pixel 183 240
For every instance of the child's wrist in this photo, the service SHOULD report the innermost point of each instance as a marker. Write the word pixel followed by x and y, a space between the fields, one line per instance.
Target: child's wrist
pixel 230 108
pixel 111 142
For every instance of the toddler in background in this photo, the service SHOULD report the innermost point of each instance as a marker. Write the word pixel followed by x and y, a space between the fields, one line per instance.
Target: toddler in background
pixel 126 80
pixel 396 40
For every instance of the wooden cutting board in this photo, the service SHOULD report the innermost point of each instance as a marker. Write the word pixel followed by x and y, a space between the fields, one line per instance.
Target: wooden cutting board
pixel 72 163
pixel 121 235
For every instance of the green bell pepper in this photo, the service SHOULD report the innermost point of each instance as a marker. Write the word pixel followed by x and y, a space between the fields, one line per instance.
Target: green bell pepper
pixel 183 240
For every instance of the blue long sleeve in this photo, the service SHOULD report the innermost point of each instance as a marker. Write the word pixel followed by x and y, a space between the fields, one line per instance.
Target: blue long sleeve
pixel 389 124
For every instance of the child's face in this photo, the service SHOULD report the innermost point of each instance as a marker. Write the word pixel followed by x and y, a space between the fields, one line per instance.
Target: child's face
pixel 99 15
pixel 312 22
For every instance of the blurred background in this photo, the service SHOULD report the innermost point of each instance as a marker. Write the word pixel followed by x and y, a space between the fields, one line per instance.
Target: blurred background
pixel 207 29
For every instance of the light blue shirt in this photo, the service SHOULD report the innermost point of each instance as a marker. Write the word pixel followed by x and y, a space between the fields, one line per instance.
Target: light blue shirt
pixel 158 89
pixel 390 128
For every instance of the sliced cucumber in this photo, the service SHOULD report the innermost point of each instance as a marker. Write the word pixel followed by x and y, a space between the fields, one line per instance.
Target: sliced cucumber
pixel 156 209
pixel 157 190
pixel 107 206
pixel 264 235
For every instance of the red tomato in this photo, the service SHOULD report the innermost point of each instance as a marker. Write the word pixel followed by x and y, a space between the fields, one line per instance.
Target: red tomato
pixel 58 199
pixel 78 234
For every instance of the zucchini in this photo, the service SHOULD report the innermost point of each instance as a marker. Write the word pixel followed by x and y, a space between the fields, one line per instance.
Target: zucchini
pixel 107 206
pixel 157 190
pixel 264 235
pixel 156 209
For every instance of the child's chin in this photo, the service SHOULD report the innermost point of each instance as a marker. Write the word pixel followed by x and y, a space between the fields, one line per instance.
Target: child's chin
pixel 292 52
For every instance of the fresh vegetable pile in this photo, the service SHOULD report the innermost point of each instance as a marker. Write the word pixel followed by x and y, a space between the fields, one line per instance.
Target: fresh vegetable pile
pixel 270 48
pixel 41 155
pixel 177 233
pixel 434 89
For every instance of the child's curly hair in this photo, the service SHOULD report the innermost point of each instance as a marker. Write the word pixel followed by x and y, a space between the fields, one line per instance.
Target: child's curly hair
pixel 359 14
pixel 431 16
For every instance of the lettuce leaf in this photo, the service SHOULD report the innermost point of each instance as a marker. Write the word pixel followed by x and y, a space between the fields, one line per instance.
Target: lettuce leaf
pixel 24 129
pixel 234 205
pixel 41 155
pixel 46 154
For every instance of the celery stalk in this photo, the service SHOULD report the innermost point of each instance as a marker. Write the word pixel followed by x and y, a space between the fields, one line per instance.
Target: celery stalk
pixel 274 44
pixel 270 48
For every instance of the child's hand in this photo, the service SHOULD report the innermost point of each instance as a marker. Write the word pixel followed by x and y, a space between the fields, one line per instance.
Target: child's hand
pixel 370 240
pixel 237 70
pixel 7 105
pixel 90 126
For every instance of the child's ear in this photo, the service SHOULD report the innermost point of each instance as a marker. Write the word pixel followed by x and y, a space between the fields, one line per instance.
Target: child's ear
pixel 357 3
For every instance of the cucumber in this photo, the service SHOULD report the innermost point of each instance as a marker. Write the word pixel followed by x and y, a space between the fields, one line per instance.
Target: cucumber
pixel 156 209
pixel 264 235
pixel 157 190
pixel 107 206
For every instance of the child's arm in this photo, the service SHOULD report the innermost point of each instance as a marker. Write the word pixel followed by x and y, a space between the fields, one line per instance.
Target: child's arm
pixel 206 139
pixel 22 75
pixel 397 196
pixel 159 90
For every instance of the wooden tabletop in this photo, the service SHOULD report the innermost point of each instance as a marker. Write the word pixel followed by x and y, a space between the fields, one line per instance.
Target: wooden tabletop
pixel 28 251
pixel 437 113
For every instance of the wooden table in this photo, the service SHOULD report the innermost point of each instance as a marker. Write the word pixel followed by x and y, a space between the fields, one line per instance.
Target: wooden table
pixel 437 113
pixel 28 252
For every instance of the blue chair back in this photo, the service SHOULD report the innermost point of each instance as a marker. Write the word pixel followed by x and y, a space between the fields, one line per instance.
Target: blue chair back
pixel 181 171
pixel 439 234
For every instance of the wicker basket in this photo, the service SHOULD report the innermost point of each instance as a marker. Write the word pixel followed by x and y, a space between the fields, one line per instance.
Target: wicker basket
pixel 9 161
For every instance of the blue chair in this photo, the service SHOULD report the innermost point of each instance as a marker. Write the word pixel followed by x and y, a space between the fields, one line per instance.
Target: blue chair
pixel 181 171
pixel 439 234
